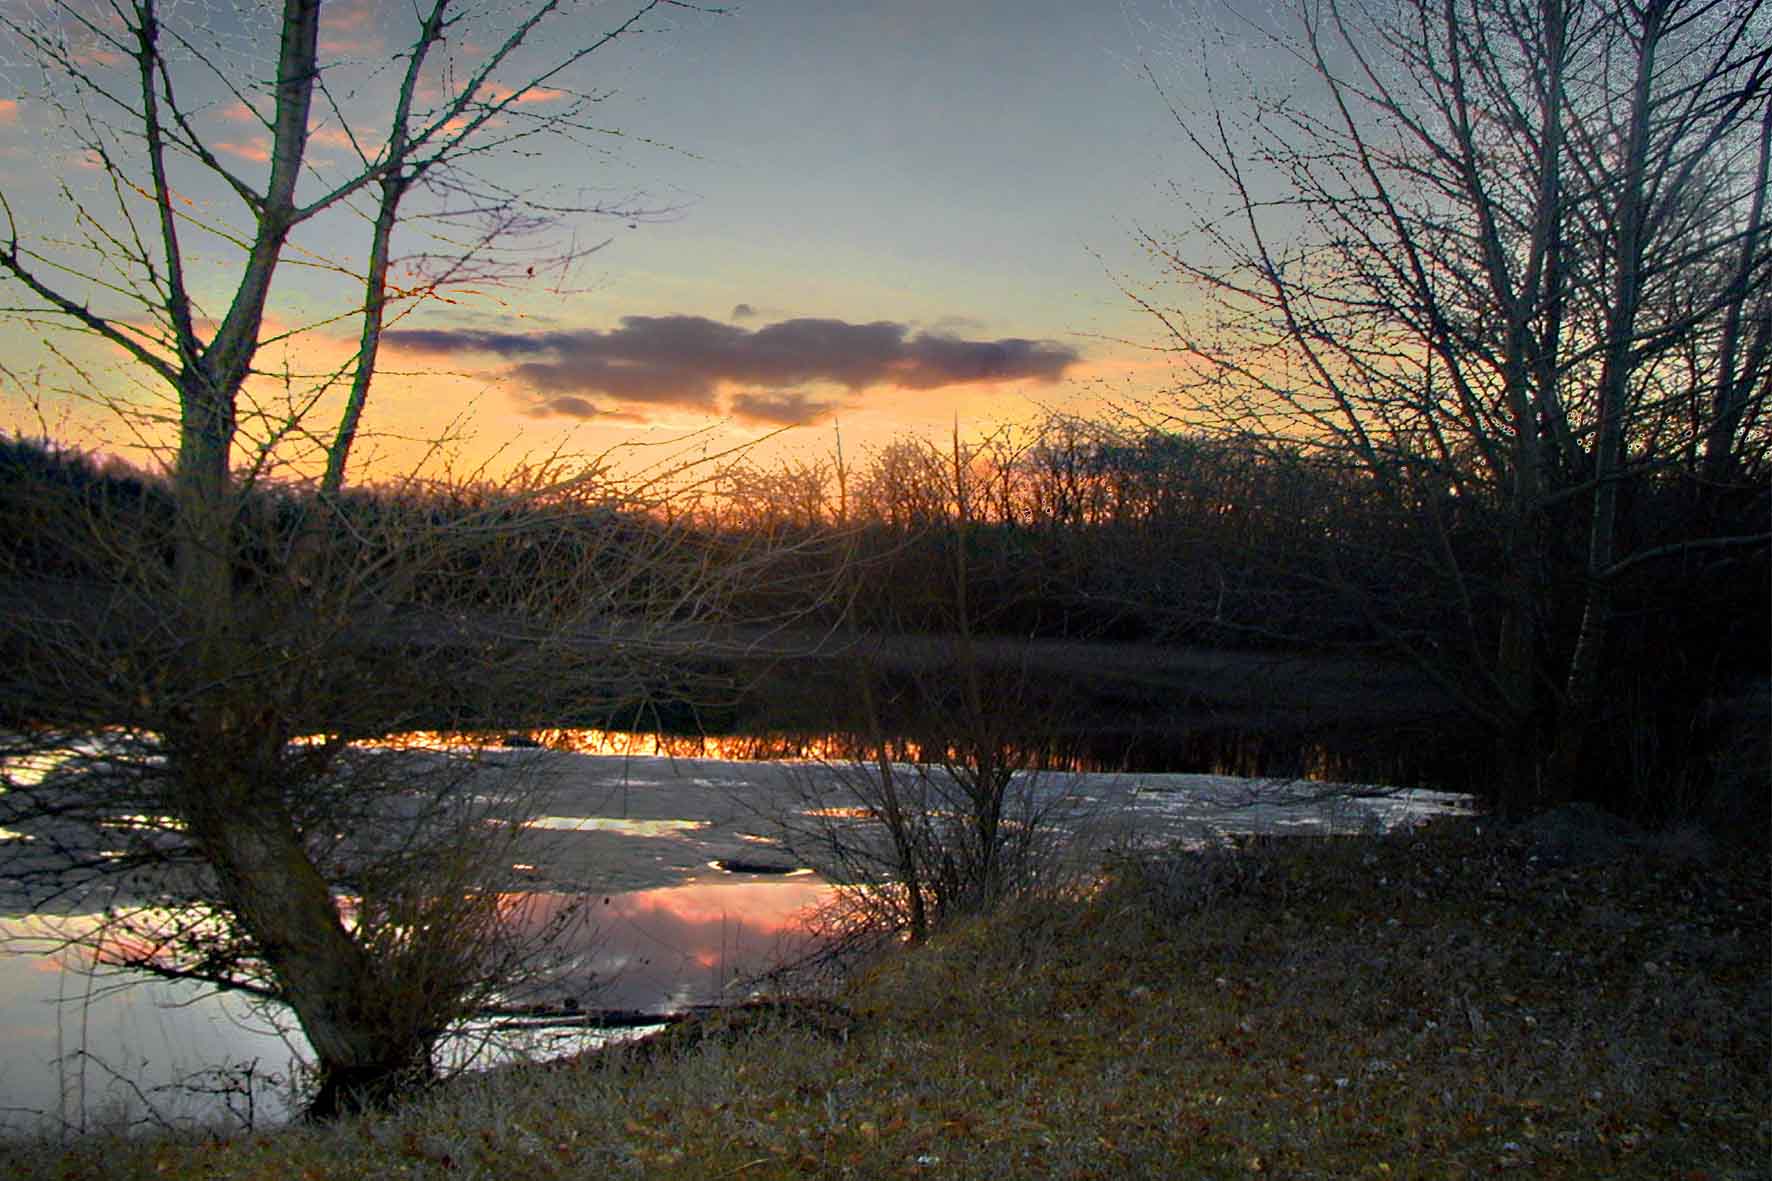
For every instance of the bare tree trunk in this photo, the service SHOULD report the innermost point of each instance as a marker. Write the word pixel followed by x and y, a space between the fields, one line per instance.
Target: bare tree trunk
pixel 365 1050
pixel 216 701
pixel 221 758
pixel 1582 687
pixel 225 740
pixel 395 183
pixel 1735 380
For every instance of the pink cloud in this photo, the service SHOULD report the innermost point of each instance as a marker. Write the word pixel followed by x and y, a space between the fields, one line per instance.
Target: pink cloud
pixel 332 138
pixel 8 110
pixel 491 94
pixel 684 360
pixel 348 26
pixel 257 153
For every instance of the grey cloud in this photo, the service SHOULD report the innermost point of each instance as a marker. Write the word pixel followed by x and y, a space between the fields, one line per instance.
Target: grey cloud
pixel 948 360
pixel 572 406
pixel 742 311
pixel 785 409
pixel 682 360
pixel 443 340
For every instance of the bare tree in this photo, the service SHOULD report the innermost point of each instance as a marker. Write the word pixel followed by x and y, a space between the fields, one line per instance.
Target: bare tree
pixel 943 811
pixel 1506 262
pixel 217 656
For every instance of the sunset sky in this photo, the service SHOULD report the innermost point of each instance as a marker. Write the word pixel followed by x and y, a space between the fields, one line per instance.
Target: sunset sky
pixel 885 213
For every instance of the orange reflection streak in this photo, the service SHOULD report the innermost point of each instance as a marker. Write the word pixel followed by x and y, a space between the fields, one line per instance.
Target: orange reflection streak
pixel 736 747
pixel 768 747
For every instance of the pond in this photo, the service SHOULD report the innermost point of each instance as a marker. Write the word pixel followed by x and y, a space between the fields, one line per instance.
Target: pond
pixel 85 1051
pixel 689 891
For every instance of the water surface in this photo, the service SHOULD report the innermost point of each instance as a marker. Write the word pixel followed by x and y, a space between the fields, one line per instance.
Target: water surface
pixel 85 1050
pixel 641 839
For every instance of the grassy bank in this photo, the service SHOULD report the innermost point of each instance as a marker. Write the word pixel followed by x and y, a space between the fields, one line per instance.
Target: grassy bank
pixel 1445 1004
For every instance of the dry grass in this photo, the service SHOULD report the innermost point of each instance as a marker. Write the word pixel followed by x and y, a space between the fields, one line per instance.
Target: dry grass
pixel 1438 1005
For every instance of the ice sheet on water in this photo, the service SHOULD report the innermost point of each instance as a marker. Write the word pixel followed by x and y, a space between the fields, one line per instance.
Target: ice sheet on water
pixel 616 824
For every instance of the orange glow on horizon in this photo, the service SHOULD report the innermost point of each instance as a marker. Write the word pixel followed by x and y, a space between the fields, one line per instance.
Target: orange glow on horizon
pixel 441 423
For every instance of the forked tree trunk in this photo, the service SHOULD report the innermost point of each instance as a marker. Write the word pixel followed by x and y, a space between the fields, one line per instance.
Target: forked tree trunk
pixel 361 1031
pixel 1582 686
pixel 224 738
pixel 223 749
pixel 223 744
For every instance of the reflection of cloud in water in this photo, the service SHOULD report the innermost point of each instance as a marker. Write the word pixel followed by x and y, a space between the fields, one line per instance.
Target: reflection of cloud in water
pixel 657 949
pixel 650 950
pixel 152 1034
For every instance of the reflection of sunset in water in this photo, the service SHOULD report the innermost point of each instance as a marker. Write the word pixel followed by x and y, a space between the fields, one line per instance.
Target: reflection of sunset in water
pixel 651 950
pixel 664 948
pixel 739 747
pixel 771 907
pixel 844 812
pixel 778 747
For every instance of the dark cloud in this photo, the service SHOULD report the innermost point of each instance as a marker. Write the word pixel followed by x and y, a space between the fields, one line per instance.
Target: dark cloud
pixel 948 360
pixel 570 405
pixel 742 311
pixel 682 360
pixel 786 409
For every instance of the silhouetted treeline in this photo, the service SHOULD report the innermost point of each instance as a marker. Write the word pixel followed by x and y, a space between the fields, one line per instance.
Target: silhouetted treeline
pixel 1074 532
pixel 1077 531
pixel 405 595
pixel 66 514
pixel 1168 538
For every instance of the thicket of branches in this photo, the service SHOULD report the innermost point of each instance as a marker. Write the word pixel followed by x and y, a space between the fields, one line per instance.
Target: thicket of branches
pixel 537 602
pixel 240 630
pixel 1120 531
pixel 1507 266
pixel 406 583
